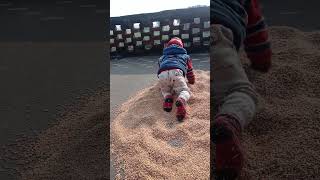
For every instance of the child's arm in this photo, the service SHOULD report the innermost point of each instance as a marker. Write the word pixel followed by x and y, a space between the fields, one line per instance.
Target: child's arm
pixel 257 45
pixel 190 74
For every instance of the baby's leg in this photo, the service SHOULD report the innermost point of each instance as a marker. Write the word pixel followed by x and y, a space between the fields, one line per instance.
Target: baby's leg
pixel 165 84
pixel 234 101
pixel 233 94
pixel 166 90
pixel 181 88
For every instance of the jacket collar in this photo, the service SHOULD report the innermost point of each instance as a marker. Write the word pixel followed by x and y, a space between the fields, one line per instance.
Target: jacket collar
pixel 174 49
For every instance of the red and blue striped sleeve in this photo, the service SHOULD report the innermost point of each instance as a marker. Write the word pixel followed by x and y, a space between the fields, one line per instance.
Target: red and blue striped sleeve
pixel 257 44
pixel 190 74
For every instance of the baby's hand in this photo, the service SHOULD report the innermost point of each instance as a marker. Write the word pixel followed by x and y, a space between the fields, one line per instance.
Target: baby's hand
pixel 191 80
pixel 261 61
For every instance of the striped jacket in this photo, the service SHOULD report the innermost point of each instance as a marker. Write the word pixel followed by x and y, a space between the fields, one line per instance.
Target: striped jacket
pixel 245 19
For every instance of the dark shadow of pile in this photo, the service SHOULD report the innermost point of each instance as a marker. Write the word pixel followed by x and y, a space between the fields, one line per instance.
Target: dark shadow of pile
pixel 74 148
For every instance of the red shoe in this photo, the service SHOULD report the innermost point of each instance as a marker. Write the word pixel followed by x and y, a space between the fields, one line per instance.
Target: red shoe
pixel 181 109
pixel 167 104
pixel 229 152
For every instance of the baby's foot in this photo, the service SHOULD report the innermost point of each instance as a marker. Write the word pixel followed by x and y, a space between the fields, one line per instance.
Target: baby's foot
pixel 229 152
pixel 181 109
pixel 167 104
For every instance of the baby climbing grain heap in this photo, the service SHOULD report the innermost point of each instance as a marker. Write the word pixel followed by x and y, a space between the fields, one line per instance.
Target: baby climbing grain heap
pixel 174 65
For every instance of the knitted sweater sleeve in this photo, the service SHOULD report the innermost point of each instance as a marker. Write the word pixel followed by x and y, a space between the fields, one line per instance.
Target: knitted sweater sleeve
pixel 257 44
pixel 190 74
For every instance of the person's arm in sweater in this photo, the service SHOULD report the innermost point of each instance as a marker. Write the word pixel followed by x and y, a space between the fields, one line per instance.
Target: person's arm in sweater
pixel 190 74
pixel 257 45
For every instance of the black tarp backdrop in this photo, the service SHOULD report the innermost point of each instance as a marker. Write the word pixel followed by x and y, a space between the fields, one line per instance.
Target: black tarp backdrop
pixel 185 15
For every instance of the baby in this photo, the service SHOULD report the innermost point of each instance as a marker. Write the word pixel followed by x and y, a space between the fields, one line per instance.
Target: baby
pixel 174 66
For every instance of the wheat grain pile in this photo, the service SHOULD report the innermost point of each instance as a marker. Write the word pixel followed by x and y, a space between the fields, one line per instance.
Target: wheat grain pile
pixel 149 143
